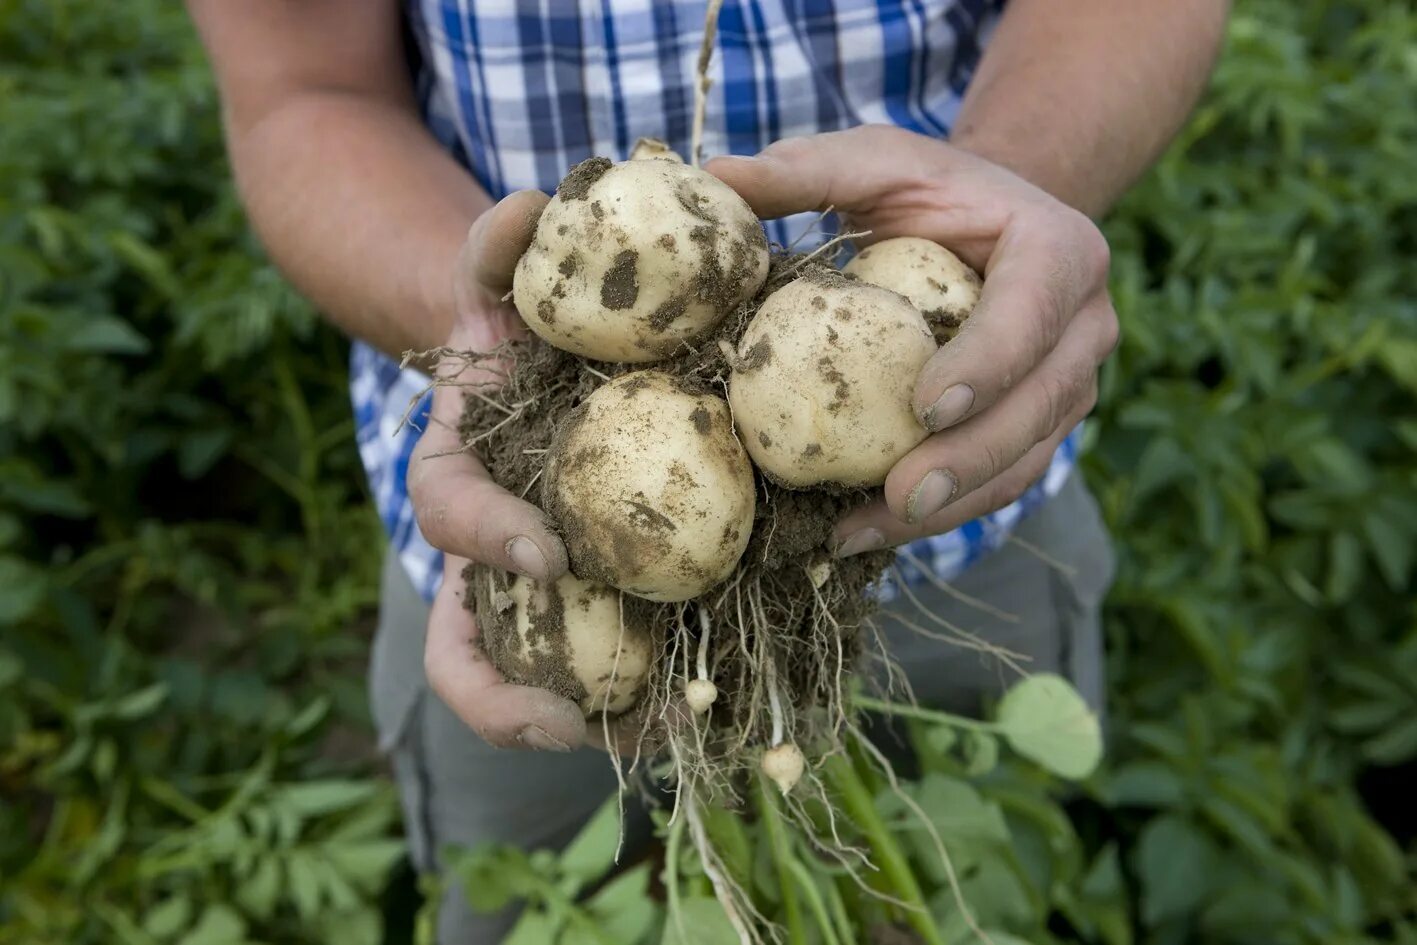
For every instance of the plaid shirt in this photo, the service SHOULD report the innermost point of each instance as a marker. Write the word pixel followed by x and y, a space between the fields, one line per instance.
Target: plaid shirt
pixel 519 92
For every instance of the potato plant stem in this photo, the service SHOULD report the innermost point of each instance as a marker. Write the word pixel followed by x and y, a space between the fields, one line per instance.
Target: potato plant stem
pixel 672 845
pixel 889 858
pixel 924 715
pixel 783 860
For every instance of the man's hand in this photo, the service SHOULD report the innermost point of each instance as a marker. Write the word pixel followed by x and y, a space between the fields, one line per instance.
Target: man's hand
pixel 470 518
pixel 1022 372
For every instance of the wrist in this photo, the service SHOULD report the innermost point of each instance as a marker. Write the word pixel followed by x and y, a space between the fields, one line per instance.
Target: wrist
pixel 1050 169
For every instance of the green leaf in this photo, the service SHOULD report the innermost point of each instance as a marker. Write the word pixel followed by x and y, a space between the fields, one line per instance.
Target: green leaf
pixel 107 334
pixel 1175 862
pixel 138 704
pixel 22 589
pixel 623 907
pixel 1144 784
pixel 591 854
pixel 981 753
pixel 219 925
pixel 261 891
pixel 325 797
pixel 699 921
pixel 533 928
pixel 168 917
pixel 1044 719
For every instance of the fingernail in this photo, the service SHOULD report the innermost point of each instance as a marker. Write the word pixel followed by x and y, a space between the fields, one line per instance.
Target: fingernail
pixel 534 736
pixel 953 404
pixel 527 558
pixel 932 493
pixel 867 539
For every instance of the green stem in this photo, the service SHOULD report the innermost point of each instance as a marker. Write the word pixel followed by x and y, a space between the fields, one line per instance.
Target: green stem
pixel 782 857
pixel 577 916
pixel 838 910
pixel 813 895
pixel 886 853
pixel 671 866
pixel 924 715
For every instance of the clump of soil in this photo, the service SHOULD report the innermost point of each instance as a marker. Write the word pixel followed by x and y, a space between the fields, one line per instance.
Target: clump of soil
pixel 790 617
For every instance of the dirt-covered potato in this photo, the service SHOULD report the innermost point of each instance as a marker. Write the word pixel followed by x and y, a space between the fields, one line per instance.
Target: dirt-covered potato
pixel 630 261
pixel 935 280
pixel 565 636
pixel 653 492
pixel 822 382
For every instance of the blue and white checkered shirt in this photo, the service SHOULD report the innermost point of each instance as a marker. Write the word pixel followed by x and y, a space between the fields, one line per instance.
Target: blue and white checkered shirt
pixel 519 92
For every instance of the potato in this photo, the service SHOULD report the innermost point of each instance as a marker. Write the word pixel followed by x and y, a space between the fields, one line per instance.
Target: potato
pixel 631 261
pixel 653 492
pixel 822 384
pixel 564 636
pixel 935 280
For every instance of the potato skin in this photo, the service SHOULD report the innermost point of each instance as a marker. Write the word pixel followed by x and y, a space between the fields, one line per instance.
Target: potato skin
pixel 630 261
pixel 821 392
pixel 935 280
pixel 589 615
pixel 653 492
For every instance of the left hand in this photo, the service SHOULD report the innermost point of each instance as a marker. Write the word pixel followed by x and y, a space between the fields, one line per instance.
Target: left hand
pixel 1021 373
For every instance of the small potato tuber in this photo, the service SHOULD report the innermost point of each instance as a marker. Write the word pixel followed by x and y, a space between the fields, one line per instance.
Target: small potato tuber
pixel 935 280
pixel 822 382
pixel 563 636
pixel 784 765
pixel 653 492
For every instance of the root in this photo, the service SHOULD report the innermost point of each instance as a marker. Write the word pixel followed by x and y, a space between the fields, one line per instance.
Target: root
pixel 701 86
pixel 929 574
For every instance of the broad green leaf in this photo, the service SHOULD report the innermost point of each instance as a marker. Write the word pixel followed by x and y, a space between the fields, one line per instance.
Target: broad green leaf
pixel 219 925
pixel 1044 719
pixel 698 921
pixel 1175 862
pixel 1144 784
pixel 592 852
pixel 533 928
pixel 168 917
pixel 623 907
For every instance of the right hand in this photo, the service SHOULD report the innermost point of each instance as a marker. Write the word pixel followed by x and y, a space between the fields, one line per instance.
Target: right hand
pixel 466 515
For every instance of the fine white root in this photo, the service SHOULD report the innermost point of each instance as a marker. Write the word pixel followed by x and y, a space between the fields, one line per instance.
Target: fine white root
pixel 929 574
pixel 829 244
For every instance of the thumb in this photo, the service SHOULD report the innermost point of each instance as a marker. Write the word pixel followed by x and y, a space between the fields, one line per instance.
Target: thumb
pixel 840 169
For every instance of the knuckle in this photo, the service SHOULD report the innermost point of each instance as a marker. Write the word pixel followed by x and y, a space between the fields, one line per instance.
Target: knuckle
pixel 1109 333
pixel 1091 248
pixel 788 150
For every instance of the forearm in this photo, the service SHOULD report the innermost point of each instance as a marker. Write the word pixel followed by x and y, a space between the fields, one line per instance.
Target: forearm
pixel 361 209
pixel 1080 97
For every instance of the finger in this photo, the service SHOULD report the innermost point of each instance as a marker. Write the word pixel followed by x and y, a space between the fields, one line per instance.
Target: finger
pixel 874 526
pixel 1048 264
pixel 460 509
pixel 497 240
pixel 800 174
pixel 505 714
pixel 949 465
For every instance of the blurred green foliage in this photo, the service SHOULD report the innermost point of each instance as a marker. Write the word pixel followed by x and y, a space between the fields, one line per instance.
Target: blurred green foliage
pixel 188 563
pixel 186 556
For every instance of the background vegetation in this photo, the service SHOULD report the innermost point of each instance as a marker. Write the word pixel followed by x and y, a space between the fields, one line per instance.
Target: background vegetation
pixel 188 561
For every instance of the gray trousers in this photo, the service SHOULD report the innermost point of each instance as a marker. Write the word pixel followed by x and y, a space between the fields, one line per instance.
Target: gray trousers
pixel 458 790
